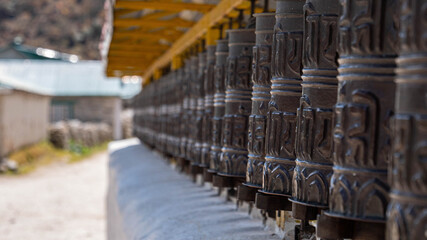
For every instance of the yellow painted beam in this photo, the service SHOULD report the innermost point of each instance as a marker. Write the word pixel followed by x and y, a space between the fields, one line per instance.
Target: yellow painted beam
pixel 133 53
pixel 138 40
pixel 156 14
pixel 211 36
pixel 167 6
pixel 121 12
pixel 134 71
pixel 129 61
pixel 175 22
pixel 162 31
pixel 160 14
pixel 157 74
pixel 138 47
pixel 196 32
pixel 130 58
pixel 139 68
pixel 147 36
pixel 177 62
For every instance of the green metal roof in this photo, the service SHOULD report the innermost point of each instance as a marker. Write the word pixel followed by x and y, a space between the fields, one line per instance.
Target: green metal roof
pixel 37 53
pixel 57 78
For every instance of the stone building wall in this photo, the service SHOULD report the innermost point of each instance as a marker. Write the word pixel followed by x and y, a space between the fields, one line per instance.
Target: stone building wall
pixel 24 119
pixel 95 109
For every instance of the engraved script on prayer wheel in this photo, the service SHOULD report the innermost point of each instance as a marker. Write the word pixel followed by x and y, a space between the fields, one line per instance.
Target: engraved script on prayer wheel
pixel 171 112
pixel 199 79
pixel 238 104
pixel 183 132
pixel 180 109
pixel 364 109
pixel 313 168
pixel 261 75
pixel 191 70
pixel 407 211
pixel 285 94
pixel 159 115
pixel 209 90
pixel 221 55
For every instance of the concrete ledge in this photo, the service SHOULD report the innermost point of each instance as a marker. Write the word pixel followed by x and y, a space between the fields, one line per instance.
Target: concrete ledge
pixel 147 199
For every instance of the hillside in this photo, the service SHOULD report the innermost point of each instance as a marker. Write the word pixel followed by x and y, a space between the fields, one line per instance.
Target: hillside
pixel 71 26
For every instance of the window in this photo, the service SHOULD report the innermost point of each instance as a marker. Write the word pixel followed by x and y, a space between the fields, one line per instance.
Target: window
pixel 61 110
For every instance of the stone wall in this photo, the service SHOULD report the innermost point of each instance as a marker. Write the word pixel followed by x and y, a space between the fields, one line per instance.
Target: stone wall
pixel 24 119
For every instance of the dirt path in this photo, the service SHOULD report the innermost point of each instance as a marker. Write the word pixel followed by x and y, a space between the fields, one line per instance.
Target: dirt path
pixel 59 201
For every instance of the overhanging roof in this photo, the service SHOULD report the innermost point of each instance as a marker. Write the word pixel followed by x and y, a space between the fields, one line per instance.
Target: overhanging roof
pixel 55 78
pixel 142 37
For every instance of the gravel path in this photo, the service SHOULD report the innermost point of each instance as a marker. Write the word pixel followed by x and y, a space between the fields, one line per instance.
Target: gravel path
pixel 58 201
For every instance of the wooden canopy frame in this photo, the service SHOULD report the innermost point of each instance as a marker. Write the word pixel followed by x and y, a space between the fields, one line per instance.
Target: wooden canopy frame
pixel 150 35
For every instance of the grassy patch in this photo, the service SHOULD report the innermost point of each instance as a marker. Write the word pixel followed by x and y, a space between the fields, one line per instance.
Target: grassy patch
pixel 43 153
pixel 79 152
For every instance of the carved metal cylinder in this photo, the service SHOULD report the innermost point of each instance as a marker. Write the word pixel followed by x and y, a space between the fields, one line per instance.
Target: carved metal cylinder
pixel 313 168
pixel 221 54
pixel 234 156
pixel 407 211
pixel 285 94
pixel 176 130
pixel 200 70
pixel 160 116
pixel 362 136
pixel 209 89
pixel 191 74
pixel 170 111
pixel 184 124
pixel 261 76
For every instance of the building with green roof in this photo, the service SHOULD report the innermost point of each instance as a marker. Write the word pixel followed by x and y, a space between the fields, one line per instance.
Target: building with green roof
pixel 34 93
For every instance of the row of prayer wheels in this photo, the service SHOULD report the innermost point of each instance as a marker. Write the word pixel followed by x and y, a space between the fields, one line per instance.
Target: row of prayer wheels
pixel 319 108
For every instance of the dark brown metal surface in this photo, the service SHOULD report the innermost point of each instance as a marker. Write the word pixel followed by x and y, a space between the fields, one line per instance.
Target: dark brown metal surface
pixel 272 202
pixel 199 71
pixel 313 168
pixel 178 105
pixel 407 211
pixel 185 89
pixel 209 89
pixel 341 140
pixel 191 110
pixel 221 55
pixel 193 130
pixel 238 104
pixel 261 75
pixel 285 95
pixel 365 105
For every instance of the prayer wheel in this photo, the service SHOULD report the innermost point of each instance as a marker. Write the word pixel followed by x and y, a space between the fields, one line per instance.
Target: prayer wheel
pixel 314 143
pixel 199 69
pixel 234 156
pixel 363 114
pixel 209 89
pixel 178 89
pixel 407 211
pixel 261 76
pixel 189 72
pixel 221 54
pixel 282 109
